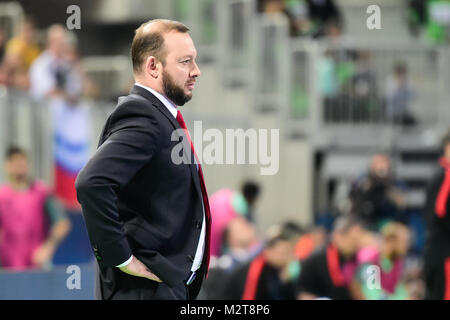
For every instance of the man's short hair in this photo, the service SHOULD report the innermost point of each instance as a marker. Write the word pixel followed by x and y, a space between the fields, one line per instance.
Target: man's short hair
pixel 146 44
pixel 14 150
pixel 287 231
pixel 250 189
pixel 343 224
pixel 391 230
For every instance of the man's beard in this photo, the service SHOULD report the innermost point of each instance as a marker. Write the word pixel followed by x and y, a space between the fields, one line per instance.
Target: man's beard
pixel 174 92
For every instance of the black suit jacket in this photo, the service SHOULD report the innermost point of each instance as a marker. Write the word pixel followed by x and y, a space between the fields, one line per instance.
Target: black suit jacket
pixel 135 200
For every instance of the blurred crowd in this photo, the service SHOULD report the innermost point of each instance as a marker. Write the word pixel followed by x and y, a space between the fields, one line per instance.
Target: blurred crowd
pixel 307 18
pixel 44 62
pixel 45 66
pixel 352 92
pixel 366 253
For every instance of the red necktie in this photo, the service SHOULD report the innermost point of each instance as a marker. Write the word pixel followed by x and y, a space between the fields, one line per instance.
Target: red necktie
pixel 441 200
pixel 204 192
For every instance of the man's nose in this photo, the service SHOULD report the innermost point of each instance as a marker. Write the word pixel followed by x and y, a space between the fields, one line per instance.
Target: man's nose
pixel 196 71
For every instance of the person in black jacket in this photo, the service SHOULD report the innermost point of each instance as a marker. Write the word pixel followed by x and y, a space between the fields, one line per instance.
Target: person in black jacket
pixel 437 244
pixel 265 277
pixel 328 272
pixel 142 193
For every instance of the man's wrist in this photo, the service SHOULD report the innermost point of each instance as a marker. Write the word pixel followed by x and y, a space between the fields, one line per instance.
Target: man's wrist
pixel 125 263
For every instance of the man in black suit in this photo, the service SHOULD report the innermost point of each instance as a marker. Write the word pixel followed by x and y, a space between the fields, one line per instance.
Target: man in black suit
pixel 146 213
pixel 437 243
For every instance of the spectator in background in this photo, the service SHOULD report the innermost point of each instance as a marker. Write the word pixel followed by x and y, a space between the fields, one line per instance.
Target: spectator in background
pixel 226 205
pixel 364 89
pixel 417 16
pixel 294 10
pixel 2 44
pixel 32 222
pixel 399 95
pixel 57 79
pixel 310 242
pixel 223 209
pixel 251 191
pixel 297 12
pixel 240 244
pixel 57 76
pixel 71 125
pixel 322 14
pixel 328 272
pixel 15 75
pixel 389 258
pixel 265 277
pixel 19 53
pixel 23 45
pixel 377 197
pixel 51 74
pixel 437 245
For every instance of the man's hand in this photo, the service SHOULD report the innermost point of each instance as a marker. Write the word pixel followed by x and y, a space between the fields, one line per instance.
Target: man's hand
pixel 138 269
pixel 43 254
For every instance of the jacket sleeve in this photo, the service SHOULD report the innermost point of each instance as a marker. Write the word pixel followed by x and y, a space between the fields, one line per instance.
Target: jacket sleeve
pixel 132 143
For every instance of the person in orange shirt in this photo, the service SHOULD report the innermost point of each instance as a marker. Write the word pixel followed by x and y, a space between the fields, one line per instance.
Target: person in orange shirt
pixel 23 46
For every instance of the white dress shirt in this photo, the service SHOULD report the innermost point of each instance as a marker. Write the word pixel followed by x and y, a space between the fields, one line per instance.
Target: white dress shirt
pixel 201 243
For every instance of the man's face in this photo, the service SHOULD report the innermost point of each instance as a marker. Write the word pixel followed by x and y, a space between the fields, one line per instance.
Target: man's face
pixel 400 243
pixel 347 242
pixel 280 254
pixel 241 234
pixel 380 166
pixel 17 167
pixel 180 70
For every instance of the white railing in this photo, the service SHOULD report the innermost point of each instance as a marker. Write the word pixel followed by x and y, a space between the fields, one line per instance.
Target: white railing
pixel 111 74
pixel 270 65
pixel 237 32
pixel 27 124
pixel 11 16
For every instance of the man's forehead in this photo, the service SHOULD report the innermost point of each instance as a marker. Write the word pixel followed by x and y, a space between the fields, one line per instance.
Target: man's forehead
pixel 180 44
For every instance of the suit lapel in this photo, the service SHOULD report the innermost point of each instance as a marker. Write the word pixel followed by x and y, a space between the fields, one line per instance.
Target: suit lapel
pixel 186 147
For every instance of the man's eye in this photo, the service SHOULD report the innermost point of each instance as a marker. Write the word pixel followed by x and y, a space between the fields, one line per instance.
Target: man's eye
pixel 185 61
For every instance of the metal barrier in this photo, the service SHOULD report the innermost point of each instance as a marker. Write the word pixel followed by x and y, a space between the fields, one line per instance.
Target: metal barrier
pixel 27 123
pixel 270 65
pixel 236 40
pixel 355 84
pixel 112 74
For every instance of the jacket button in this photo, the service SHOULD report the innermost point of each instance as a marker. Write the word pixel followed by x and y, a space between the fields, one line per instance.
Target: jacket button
pixel 198 224
pixel 191 258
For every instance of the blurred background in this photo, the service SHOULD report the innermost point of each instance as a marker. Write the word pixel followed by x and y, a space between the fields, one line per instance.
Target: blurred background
pixel 361 115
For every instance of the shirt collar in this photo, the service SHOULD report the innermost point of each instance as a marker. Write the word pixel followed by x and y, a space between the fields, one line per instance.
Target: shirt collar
pixel 169 105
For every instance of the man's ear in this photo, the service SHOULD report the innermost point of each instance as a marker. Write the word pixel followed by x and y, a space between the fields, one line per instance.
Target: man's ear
pixel 152 67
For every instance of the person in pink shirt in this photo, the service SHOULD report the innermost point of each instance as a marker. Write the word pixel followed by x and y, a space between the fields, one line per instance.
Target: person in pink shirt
pixel 381 267
pixel 32 221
